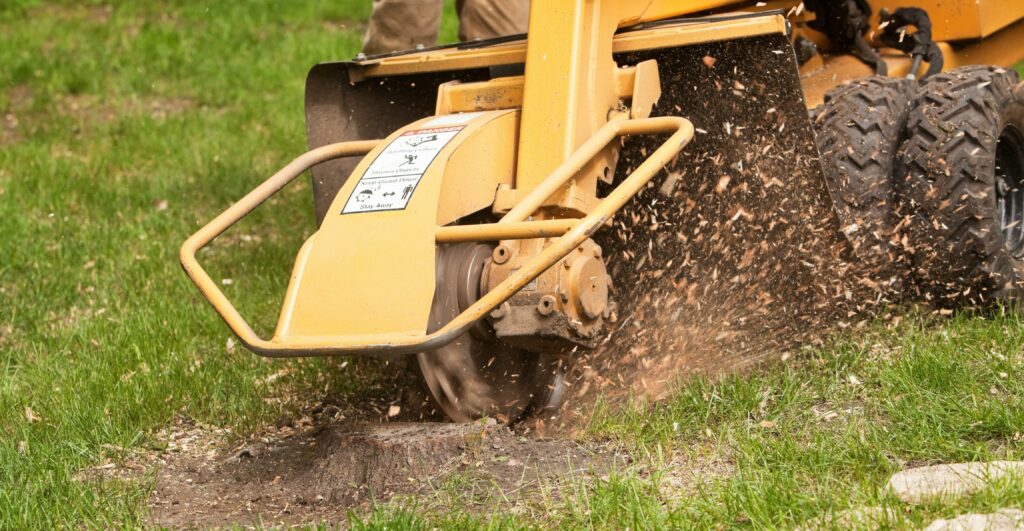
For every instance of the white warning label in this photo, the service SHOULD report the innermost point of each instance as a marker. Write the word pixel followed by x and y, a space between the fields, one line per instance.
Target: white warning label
pixel 391 179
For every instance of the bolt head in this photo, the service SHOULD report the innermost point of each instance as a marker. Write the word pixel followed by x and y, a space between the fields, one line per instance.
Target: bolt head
pixel 501 254
pixel 501 311
pixel 546 305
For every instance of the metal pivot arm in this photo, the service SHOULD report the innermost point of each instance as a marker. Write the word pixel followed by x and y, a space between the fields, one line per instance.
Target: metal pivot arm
pixel 575 233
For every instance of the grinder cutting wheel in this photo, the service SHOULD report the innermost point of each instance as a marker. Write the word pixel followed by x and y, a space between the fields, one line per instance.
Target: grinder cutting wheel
pixel 478 374
pixel 490 207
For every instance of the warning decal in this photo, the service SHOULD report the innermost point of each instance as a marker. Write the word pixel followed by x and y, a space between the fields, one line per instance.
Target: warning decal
pixel 391 179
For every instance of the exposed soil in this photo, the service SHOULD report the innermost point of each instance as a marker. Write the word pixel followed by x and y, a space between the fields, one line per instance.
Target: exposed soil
pixel 94 110
pixel 9 129
pixel 19 100
pixel 95 14
pixel 693 469
pixel 322 470
pixel 86 110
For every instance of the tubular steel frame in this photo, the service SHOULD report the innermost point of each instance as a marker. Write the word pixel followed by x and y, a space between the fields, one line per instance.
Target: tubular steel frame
pixel 570 233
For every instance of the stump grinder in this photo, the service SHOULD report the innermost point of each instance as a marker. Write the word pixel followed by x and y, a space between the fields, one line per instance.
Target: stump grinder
pixel 492 207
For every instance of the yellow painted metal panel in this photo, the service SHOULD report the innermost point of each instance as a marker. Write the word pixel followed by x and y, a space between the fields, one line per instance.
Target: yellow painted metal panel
pixel 498 93
pixel 661 9
pixel 688 34
pixel 482 162
pixel 962 19
pixel 682 34
pixel 995 15
pixel 570 81
pixel 1004 48
pixel 369 269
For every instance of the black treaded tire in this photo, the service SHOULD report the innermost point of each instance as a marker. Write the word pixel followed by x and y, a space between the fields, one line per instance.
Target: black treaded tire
pixel 859 130
pixel 963 134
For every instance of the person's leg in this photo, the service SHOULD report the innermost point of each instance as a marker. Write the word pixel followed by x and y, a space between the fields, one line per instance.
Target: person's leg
pixel 487 19
pixel 401 25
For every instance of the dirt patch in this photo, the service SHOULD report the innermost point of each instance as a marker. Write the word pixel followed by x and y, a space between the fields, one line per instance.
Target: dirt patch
pixel 87 110
pixel 182 437
pixel 95 14
pixel 95 110
pixel 19 101
pixel 694 469
pixel 9 130
pixel 320 473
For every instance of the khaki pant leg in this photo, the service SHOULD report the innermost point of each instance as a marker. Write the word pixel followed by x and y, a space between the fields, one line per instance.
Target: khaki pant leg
pixel 487 19
pixel 401 25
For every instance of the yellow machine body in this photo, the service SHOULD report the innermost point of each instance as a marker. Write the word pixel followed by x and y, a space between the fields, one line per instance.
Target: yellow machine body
pixel 968 32
pixel 530 149
pixel 963 20
pixel 382 280
pixel 372 293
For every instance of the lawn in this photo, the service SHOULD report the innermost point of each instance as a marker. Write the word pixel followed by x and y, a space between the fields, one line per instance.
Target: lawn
pixel 122 129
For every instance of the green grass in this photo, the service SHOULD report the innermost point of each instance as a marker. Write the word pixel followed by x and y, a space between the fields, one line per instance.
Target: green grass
pixel 920 394
pixel 813 436
pixel 136 123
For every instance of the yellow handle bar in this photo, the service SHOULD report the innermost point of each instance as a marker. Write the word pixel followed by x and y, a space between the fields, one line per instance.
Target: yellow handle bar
pixel 570 234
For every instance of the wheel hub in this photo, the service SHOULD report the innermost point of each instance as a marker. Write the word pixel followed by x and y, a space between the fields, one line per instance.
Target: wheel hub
pixel 1009 184
pixel 565 307
pixel 477 375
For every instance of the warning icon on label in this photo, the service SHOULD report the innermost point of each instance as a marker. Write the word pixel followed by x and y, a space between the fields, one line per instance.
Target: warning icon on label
pixel 409 159
pixel 364 195
pixel 416 142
